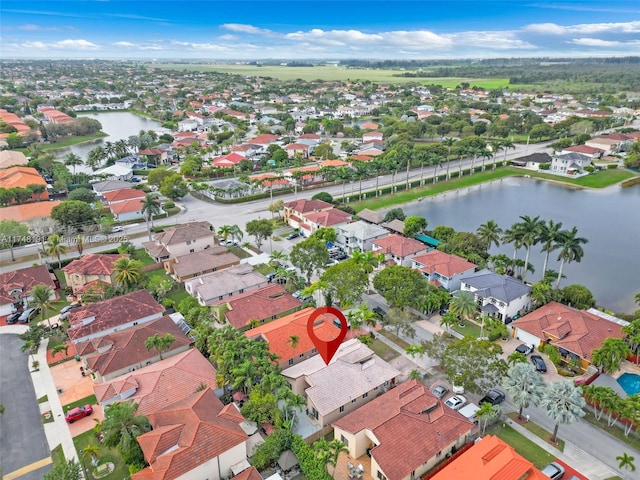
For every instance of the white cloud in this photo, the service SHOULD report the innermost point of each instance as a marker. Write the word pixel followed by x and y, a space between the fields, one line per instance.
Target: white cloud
pixel 137 46
pixel 416 39
pixel 228 37
pixel 202 46
pixel 124 44
pixel 597 42
pixel 584 28
pixel 250 29
pixel 68 44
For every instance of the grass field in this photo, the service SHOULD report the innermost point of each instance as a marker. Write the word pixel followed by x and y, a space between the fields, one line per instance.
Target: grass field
pixel 105 455
pixel 67 142
pixel 90 400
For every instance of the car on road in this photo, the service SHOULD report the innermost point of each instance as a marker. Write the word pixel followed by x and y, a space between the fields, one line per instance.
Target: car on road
pixel 439 391
pixel 525 348
pixel 554 471
pixel 456 402
pixel 64 313
pixel 228 243
pixel 78 413
pixel 13 317
pixel 493 396
pixel 135 180
pixel 292 235
pixel 28 315
pixel 117 229
pixel 538 362
pixel 379 311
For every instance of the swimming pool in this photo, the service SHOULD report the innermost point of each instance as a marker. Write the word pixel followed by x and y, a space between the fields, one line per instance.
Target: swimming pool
pixel 630 383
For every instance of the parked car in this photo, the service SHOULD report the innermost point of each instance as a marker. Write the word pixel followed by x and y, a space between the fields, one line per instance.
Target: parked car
pixel 380 312
pixel 554 471
pixel 470 412
pixel 525 348
pixel 64 313
pixel 493 396
pixel 538 362
pixel 78 413
pixel 13 317
pixel 292 235
pixel 28 315
pixel 228 243
pixel 439 391
pixel 117 229
pixel 135 180
pixel 456 402
pixel 270 276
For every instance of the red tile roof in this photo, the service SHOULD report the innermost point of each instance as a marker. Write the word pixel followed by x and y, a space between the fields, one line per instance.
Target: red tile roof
pixel 27 211
pixel 248 474
pixel 94 264
pixel 264 139
pixel 188 434
pixel 123 194
pixel 577 331
pixel 23 279
pixel 310 136
pixel 399 246
pixel 410 423
pixel 583 149
pixel 305 206
pixel 261 304
pixel 334 163
pixel 20 177
pixel 161 384
pixel 112 313
pixel 297 146
pixel 329 218
pixel 278 332
pixel 443 263
pixel 127 206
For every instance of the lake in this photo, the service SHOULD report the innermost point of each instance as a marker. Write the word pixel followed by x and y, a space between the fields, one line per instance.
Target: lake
pixel 609 218
pixel 117 126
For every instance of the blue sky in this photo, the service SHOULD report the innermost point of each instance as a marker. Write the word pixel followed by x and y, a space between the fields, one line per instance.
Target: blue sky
pixel 328 29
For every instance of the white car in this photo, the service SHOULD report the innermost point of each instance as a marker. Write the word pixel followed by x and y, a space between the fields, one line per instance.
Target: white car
pixel 117 229
pixel 455 402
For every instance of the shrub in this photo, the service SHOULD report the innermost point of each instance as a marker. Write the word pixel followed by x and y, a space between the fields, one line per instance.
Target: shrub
pixel 612 166
pixel 168 205
pixel 545 166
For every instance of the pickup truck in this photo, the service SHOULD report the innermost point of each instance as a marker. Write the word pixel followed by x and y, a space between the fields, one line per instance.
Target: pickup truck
pixel 470 412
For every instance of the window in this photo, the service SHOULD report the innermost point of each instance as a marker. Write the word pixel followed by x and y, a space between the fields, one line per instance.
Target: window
pixel 341 408
pixel 188 242
pixel 353 401
pixel 301 355
pixel 381 476
pixel 135 323
pixel 291 361
pixel 344 440
pixel 365 395
pixel 314 350
pixel 192 250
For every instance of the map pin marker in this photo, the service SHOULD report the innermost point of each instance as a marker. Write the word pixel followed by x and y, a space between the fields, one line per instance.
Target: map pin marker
pixel 327 348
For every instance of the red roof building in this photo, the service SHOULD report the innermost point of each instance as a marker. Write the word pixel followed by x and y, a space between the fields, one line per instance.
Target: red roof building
pixel 443 269
pixel 90 268
pixel 16 285
pixel 117 196
pixel 399 249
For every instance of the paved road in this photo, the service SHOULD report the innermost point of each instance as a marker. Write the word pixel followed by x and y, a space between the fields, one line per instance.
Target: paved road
pixel 22 437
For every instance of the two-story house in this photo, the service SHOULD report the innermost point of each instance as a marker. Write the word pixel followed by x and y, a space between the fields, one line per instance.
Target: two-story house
pixel 571 163
pixel 216 286
pixel 15 287
pixel 200 263
pixel 443 269
pixel 398 249
pixel 406 432
pixel 180 240
pixel 295 211
pixel 314 221
pixel 500 296
pixel 355 376
pixel 358 235
pixel 92 270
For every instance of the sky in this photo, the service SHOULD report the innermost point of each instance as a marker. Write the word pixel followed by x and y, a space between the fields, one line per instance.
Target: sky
pixel 310 29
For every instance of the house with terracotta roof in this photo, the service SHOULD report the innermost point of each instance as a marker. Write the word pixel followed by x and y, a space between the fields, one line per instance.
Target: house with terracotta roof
pixel 358 235
pixel 29 211
pixel 122 352
pixel 355 376
pixel 195 438
pixel 370 152
pixel 122 195
pixel 295 211
pixel 261 305
pixel 160 384
pixel 611 144
pixel 200 263
pixel 443 269
pixel 278 333
pixel 156 156
pixel 577 333
pixel 228 160
pixel 311 139
pixel 180 240
pixel 398 249
pixel 98 319
pixel 92 267
pixel 216 286
pixel 500 296
pixel 490 458
pixel 325 219
pixel 20 177
pixel 593 152
pixel 375 135
pixel 127 210
pixel 9 158
pixel 294 149
pixel 16 285
pixel 406 431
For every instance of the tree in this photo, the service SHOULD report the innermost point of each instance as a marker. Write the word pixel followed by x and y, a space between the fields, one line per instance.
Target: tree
pixel 400 286
pixel 262 407
pixel 12 232
pixel 530 230
pixel 327 235
pixel 159 343
pixel 324 196
pixel 260 230
pixel 174 187
pixel 128 272
pixel 150 207
pixel 463 304
pixel 276 207
pixel 121 426
pixel 489 233
pixel 69 470
pixel 40 296
pixel 564 403
pixel 473 364
pixel 577 296
pixel 72 160
pixel 626 461
pixel 54 246
pixel 345 282
pixel 448 320
pixel 610 354
pixel 60 348
pixel 394 214
pixel 541 294
pixel 550 237
pixel 37 189
pixel 83 195
pixel 309 256
pixel 570 249
pixel 73 213
pixel 414 225
pixel 524 384
pixel 157 176
pixel 487 412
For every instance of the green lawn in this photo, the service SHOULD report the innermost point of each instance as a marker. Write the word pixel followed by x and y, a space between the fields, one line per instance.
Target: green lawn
pixel 525 447
pixel 90 400
pixel 158 273
pixel 105 454
pixel 264 268
pixel 67 142
pixel 601 179
pixel 141 255
pixel 538 431
pixel 469 329
pixel 383 350
pixel 178 295
pixel 43 399
pixel 239 252
pixel 57 455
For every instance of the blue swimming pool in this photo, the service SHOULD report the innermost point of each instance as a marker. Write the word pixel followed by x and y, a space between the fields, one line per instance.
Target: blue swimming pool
pixel 630 383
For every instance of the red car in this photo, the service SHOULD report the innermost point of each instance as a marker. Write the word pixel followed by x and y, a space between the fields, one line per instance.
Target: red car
pixel 78 413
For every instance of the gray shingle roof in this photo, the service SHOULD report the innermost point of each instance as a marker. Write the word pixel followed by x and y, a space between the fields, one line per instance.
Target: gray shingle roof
pixel 500 287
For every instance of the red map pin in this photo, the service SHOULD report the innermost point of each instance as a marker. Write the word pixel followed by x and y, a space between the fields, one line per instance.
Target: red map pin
pixel 327 348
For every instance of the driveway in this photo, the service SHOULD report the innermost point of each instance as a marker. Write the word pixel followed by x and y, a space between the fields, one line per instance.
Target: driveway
pixel 23 441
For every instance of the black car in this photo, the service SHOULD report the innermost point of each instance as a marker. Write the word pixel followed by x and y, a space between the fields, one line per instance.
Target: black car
pixel 379 312
pixel 28 315
pixel 493 396
pixel 293 235
pixel 13 317
pixel 525 348
pixel 538 362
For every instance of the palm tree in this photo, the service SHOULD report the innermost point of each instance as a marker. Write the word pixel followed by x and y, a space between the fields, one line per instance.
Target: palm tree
pixel 530 229
pixel 564 403
pixel 489 233
pixel 448 320
pixel 127 271
pixel 54 247
pixel 150 207
pixel 335 448
pixel 95 158
pixel 344 175
pixel 610 354
pixel 368 317
pixel 277 256
pixel 224 231
pixel 236 233
pixel 516 357
pixel 496 146
pixel 72 160
pixel 570 249
pixel 485 154
pixel 487 412
pixel 549 237
pixel 90 451
pixel 626 461
pixel 524 384
pixel 368 261
pixel 448 142
pixel 415 375
pixel 598 396
pixel 40 296
pixel 507 145
pixel 463 304
pixel 159 343
pixel 245 375
pixel 62 347
pixel 513 235
pixel 121 426
pixel 632 335
pixel 541 294
pixel 361 171
pixel 30 346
